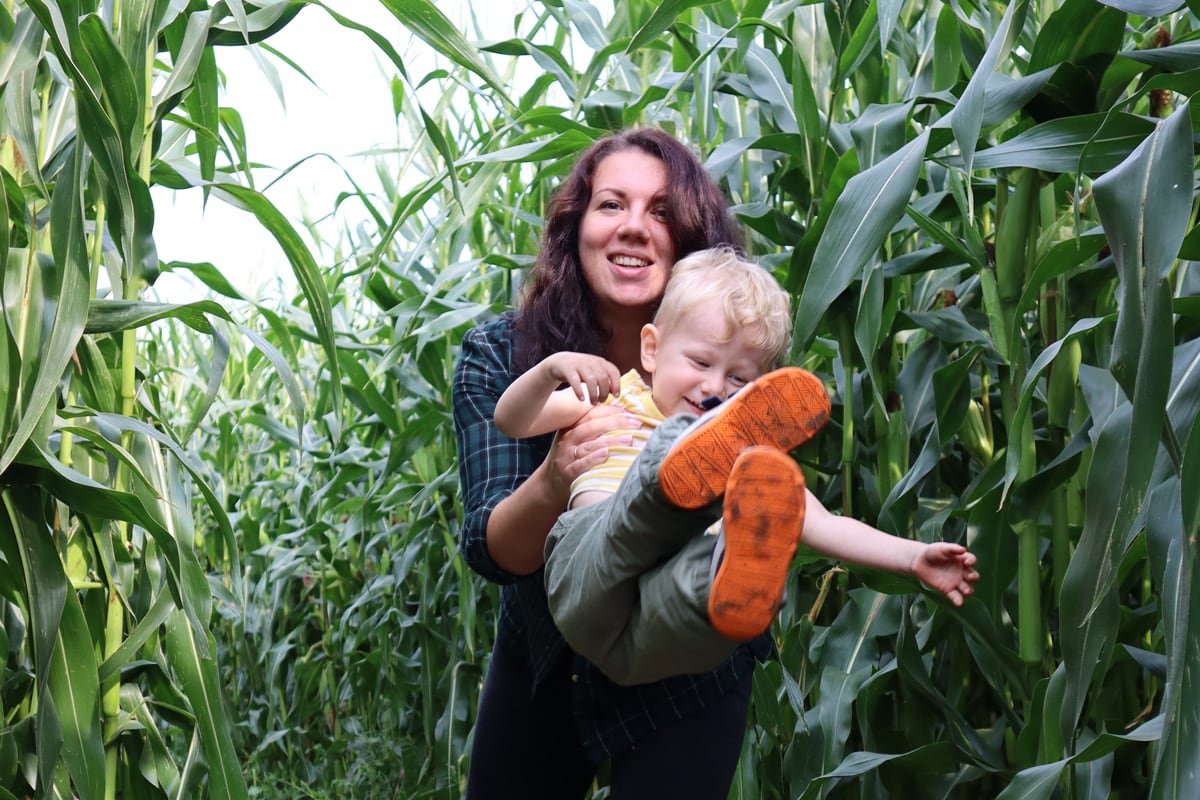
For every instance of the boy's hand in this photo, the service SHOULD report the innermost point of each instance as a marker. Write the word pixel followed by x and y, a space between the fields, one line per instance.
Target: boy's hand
pixel 592 378
pixel 947 567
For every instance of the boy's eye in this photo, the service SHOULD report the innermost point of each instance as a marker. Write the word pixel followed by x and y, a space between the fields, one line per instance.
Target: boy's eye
pixel 737 380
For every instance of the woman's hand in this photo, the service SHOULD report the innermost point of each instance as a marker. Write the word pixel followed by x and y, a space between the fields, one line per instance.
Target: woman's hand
pixel 584 445
pixel 520 523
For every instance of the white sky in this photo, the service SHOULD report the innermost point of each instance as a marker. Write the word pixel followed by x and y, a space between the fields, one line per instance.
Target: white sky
pixel 347 112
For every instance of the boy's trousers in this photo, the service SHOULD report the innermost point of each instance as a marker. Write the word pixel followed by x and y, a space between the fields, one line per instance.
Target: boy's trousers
pixel 628 578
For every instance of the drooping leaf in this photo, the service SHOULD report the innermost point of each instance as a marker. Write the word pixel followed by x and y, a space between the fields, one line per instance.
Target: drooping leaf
pixel 198 675
pixel 872 202
pixel 424 19
pixel 75 689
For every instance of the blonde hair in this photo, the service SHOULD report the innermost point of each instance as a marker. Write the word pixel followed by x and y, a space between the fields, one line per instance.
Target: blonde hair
pixel 754 304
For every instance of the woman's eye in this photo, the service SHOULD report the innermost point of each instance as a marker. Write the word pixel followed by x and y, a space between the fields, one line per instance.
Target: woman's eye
pixel 659 212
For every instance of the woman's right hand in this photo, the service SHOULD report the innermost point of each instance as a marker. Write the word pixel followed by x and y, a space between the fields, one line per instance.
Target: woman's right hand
pixel 519 524
pixel 584 445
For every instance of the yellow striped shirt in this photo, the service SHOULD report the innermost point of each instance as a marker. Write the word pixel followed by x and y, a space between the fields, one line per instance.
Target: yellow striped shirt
pixel 635 399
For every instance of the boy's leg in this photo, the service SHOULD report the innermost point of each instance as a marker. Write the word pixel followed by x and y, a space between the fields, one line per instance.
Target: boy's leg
pixel 764 517
pixel 782 409
pixel 595 556
pixel 692 613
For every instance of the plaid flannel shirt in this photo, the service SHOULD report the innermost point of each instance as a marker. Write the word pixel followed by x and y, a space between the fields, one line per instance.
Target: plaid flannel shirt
pixel 609 718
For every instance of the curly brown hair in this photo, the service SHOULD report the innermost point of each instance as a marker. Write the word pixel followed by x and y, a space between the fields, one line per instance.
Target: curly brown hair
pixel 697 216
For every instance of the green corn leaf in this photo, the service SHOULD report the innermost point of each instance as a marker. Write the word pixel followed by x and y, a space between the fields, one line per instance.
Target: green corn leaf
pixel 141 632
pixel 107 316
pixel 91 497
pixel 10 356
pixel 21 125
pixel 664 16
pixel 45 584
pixel 1076 31
pixel 424 19
pixel 304 267
pixel 197 672
pixel 1025 399
pixel 118 90
pixel 1091 144
pixel 69 299
pixel 970 746
pixel 1173 553
pixel 130 208
pixel 1144 205
pixel 1089 606
pixel 189 50
pixel 22 41
pixel 879 131
pixel 1146 8
pixel 219 517
pixel 75 689
pixel 872 202
pixel 1034 783
pixel 967 117
pixel 1190 482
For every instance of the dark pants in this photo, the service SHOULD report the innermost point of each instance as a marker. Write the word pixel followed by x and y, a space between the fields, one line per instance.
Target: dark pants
pixel 526 747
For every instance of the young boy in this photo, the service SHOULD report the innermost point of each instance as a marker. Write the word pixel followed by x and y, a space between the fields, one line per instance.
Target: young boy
pixel 633 584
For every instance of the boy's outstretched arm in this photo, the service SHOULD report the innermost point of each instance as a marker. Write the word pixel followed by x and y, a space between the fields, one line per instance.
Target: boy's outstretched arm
pixel 533 404
pixel 947 567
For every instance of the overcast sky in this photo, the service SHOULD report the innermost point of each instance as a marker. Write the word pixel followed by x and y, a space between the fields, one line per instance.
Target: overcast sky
pixel 348 111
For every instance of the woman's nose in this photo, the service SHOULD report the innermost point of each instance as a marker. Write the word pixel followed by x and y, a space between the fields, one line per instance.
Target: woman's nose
pixel 633 226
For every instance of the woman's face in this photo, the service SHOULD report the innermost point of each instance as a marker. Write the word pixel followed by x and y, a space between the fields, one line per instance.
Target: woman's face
pixel 625 246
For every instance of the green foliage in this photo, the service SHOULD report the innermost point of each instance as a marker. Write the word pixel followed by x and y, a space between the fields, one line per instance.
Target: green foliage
pixel 985 212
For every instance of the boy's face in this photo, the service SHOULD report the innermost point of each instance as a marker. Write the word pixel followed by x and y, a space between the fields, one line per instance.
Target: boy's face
pixel 689 363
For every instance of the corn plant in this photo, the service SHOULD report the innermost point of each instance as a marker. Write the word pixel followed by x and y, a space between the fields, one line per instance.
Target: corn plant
pixel 985 212
pixel 110 683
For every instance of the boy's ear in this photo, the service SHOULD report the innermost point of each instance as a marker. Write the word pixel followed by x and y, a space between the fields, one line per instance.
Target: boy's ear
pixel 650 336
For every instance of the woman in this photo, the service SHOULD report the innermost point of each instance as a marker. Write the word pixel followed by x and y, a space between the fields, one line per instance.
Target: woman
pixel 633 204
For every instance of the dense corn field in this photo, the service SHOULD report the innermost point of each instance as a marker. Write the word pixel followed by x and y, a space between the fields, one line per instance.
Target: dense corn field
pixel 228 539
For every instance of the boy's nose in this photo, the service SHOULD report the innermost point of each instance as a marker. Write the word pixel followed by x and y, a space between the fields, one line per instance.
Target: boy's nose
pixel 712 386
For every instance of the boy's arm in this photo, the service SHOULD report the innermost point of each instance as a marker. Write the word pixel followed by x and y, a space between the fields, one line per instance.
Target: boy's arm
pixel 944 566
pixel 533 404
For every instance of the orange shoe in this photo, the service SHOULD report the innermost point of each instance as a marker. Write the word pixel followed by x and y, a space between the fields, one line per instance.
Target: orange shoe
pixel 764 515
pixel 782 409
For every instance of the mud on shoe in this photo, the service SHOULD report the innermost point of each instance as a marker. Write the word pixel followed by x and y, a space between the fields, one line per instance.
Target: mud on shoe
pixel 782 409
pixel 763 519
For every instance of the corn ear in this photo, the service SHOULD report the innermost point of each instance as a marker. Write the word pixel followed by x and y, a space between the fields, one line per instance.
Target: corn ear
pixel 1014 232
pixel 974 435
pixel 1064 376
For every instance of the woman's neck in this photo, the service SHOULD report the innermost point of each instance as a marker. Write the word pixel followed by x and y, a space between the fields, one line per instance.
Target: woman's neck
pixel 625 348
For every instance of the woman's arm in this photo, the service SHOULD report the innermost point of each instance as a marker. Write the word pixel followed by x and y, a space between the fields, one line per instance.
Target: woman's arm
pixel 513 490
pixel 519 524
pixel 534 405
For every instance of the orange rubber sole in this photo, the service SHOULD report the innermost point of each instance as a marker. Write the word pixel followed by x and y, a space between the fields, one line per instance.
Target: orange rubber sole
pixel 764 517
pixel 782 409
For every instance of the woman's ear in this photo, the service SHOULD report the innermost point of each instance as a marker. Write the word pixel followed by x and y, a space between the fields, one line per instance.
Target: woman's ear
pixel 649 347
